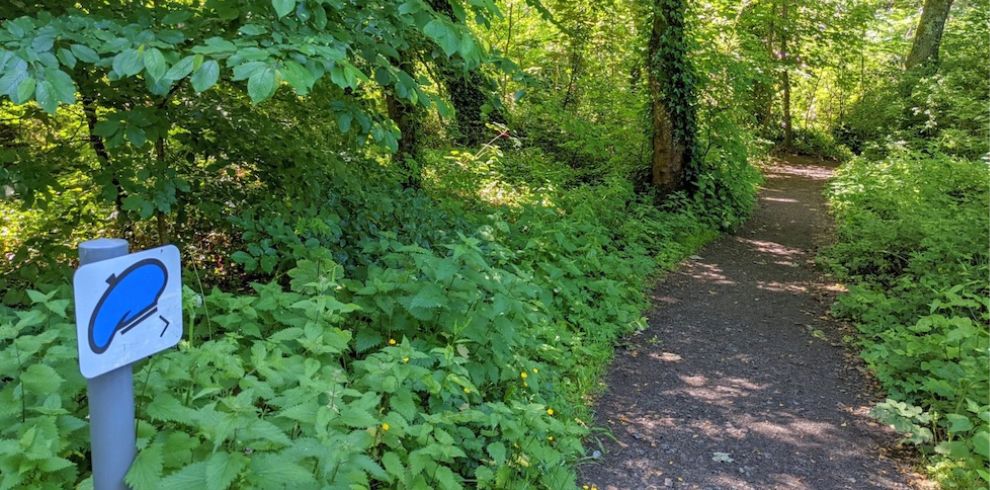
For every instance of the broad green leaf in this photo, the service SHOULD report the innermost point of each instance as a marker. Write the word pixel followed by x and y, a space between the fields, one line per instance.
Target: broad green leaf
pixel 67 58
pixel 276 471
pixel 84 53
pixel 206 76
pixel 244 71
pixel 181 69
pixel 356 417
pixel 128 63
pixel 64 87
pixel 981 443
pixel 191 476
pixel 497 451
pixel 428 296
pixel 298 77
pixel 447 479
pixel 154 63
pixel 222 468
pixel 283 7
pixel 958 423
pixel 44 94
pixel 393 464
pixel 24 91
pixel 261 85
pixel 146 470
pixel 41 379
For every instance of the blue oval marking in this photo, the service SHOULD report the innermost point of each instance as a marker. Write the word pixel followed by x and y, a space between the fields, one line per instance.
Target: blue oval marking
pixel 131 298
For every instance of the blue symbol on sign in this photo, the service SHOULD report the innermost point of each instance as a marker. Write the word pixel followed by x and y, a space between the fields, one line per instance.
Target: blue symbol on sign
pixel 131 298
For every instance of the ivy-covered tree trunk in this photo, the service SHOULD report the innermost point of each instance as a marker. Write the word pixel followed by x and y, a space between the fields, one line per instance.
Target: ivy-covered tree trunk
pixel 672 111
pixel 469 91
pixel 928 37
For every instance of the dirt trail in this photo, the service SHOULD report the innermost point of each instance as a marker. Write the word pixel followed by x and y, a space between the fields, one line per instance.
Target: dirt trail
pixel 740 382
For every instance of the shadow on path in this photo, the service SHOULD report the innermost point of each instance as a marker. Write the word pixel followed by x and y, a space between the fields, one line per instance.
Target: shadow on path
pixel 739 382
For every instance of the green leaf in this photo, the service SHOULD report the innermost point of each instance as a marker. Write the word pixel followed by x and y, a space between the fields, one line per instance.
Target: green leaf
pixel 222 468
pixel 441 33
pixel 41 379
pixel 154 63
pixel 344 121
pixel 146 470
pixel 283 7
pixel 181 69
pixel 46 97
pixel 66 57
pixel 356 417
pixel 127 63
pixel 958 423
pixel 448 481
pixel 192 476
pixel 24 91
pixel 497 451
pixel 428 296
pixel 84 53
pixel 261 85
pixel 981 443
pixel 393 464
pixel 953 449
pixel 64 87
pixel 298 77
pixel 244 71
pixel 277 471
pixel 206 76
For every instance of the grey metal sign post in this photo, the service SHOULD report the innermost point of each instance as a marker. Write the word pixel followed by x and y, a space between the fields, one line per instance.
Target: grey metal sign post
pixel 128 307
pixel 111 398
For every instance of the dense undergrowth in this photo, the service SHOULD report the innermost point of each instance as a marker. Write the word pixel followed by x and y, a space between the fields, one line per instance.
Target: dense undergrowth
pixel 424 339
pixel 912 244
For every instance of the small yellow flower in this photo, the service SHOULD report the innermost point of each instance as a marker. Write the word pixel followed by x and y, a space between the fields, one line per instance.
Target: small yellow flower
pixel 391 341
pixel 525 384
pixel 467 390
pixel 550 412
pixel 524 375
pixel 385 426
pixel 536 370
pixel 405 359
pixel 585 487
pixel 550 438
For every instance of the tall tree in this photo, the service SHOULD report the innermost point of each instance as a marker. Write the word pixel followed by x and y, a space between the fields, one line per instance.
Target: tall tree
pixel 672 97
pixel 469 89
pixel 783 57
pixel 928 37
pixel 406 115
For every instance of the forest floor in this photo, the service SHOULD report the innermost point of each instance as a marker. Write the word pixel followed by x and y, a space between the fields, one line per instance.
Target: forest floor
pixel 741 380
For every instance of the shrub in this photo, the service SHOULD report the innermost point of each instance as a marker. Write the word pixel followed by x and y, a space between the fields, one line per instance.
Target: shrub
pixel 912 241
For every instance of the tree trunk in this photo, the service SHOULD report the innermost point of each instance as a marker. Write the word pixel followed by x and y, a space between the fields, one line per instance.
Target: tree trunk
pixel 406 117
pixel 468 91
pixel 928 37
pixel 100 148
pixel 671 86
pixel 786 77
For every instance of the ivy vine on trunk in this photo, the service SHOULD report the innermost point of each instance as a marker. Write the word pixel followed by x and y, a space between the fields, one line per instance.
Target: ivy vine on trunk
pixel 672 98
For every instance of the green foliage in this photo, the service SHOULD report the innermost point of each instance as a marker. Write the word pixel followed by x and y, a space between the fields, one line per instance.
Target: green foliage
pixel 342 330
pixel 913 234
pixel 946 107
pixel 383 362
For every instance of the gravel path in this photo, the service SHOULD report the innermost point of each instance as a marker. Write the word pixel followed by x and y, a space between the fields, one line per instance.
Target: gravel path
pixel 740 382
